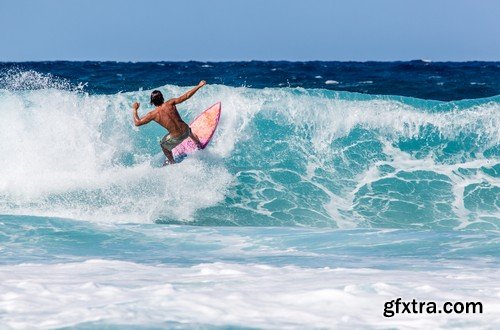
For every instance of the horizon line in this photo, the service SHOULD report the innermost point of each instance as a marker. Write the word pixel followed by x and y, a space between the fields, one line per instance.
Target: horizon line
pixel 253 60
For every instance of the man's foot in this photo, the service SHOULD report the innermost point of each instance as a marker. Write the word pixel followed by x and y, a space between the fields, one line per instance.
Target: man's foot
pixel 167 162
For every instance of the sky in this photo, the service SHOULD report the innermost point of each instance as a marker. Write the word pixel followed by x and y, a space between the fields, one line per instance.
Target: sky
pixel 237 30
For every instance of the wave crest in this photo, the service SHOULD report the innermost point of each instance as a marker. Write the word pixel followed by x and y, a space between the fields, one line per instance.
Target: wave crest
pixel 279 157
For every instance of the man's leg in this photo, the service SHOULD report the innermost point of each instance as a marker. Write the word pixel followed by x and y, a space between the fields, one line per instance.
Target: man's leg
pixel 170 157
pixel 195 139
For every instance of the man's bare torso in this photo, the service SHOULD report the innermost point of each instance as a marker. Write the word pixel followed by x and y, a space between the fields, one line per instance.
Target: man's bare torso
pixel 168 117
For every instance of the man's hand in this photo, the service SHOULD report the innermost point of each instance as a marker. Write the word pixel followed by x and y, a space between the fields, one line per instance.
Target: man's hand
pixel 136 105
pixel 202 83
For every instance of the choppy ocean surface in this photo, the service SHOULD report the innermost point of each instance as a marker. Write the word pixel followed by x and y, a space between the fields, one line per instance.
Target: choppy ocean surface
pixel 329 189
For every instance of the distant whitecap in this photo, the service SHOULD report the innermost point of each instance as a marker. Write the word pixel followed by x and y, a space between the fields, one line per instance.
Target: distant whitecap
pixel 331 82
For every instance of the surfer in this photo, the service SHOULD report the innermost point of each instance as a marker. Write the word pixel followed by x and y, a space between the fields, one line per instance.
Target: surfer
pixel 166 115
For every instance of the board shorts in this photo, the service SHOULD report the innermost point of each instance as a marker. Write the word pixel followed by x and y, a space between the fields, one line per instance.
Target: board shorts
pixel 170 143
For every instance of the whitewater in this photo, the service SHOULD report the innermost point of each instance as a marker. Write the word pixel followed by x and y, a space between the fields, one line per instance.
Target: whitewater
pixel 310 208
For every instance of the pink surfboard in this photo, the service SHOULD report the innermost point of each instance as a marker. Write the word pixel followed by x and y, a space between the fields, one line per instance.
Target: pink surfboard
pixel 203 127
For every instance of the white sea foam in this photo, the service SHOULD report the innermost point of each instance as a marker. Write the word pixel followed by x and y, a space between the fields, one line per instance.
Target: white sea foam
pixel 221 294
pixel 62 151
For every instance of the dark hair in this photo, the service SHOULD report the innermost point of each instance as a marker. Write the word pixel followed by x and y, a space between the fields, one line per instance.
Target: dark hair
pixel 157 98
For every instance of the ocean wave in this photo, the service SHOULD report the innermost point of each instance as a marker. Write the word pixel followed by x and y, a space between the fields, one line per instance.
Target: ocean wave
pixel 281 156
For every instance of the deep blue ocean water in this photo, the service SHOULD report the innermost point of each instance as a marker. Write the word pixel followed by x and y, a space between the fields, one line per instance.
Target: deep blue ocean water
pixel 329 188
pixel 446 81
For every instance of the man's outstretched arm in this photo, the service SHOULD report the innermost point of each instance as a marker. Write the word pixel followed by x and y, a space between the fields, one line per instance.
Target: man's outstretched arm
pixel 186 96
pixel 141 121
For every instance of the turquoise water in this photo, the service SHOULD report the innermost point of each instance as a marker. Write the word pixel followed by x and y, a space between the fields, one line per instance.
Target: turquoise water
pixel 34 239
pixel 309 209
pixel 281 157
